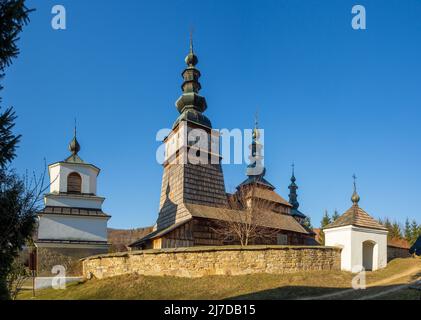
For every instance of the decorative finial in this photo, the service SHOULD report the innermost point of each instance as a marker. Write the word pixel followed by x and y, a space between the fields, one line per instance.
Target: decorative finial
pixel 256 132
pixel 74 145
pixel 191 59
pixel 355 197
pixel 256 119
pixel 293 172
pixel 191 40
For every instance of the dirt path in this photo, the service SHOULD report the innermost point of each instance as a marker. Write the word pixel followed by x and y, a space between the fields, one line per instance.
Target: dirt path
pixel 386 292
pixel 365 294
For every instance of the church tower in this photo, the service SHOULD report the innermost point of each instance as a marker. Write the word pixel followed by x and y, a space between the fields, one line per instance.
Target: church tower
pixel 192 169
pixel 72 224
pixel 293 199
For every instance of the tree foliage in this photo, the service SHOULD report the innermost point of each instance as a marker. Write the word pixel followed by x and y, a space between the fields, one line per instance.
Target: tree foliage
pixel 325 221
pixel 335 215
pixel 18 200
pixel 14 15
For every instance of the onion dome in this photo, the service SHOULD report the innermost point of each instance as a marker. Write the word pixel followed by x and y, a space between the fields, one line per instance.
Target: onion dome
pixel 191 59
pixel 355 196
pixel 74 145
pixel 74 148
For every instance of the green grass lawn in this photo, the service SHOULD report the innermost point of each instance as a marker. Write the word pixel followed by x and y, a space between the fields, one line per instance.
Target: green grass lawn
pixel 258 286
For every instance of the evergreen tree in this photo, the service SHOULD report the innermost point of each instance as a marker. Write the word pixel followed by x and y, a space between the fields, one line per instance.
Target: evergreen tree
pixel 395 232
pixel 389 227
pixel 407 231
pixel 17 204
pixel 325 221
pixel 307 223
pixel 415 231
pixel 335 215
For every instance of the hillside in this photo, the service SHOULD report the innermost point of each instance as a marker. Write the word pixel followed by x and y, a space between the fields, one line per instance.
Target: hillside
pixel 120 238
pixel 391 282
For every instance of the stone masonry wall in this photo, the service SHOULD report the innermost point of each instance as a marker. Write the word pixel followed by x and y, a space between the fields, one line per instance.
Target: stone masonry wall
pixel 204 261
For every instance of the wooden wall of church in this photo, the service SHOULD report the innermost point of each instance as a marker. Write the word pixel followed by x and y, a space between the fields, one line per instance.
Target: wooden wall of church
pixel 201 232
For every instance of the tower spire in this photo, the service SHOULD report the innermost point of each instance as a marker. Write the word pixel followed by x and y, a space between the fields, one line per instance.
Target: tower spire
pixel 191 41
pixel 256 168
pixel 191 105
pixel 293 190
pixel 74 146
pixel 355 196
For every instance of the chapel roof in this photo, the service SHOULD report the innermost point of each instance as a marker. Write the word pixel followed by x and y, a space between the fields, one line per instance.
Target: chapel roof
pixel 356 216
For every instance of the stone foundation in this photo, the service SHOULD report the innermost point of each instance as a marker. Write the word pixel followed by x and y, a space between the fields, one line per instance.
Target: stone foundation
pixel 47 258
pixel 206 261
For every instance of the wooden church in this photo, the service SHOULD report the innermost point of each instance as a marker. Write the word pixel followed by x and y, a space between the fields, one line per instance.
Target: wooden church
pixel 195 209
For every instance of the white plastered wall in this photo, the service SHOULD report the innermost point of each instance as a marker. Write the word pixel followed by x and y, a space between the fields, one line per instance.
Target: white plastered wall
pixel 351 239
pixel 60 171
pixel 76 228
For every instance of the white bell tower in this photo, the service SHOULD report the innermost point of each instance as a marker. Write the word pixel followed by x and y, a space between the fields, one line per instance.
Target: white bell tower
pixel 72 224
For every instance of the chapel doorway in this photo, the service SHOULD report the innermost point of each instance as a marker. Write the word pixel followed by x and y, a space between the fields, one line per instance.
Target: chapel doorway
pixel 368 255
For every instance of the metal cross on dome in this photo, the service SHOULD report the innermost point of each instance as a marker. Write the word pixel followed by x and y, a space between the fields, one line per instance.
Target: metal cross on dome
pixel 355 181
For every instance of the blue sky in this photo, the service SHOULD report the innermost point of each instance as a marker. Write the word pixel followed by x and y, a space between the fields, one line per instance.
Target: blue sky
pixel 334 100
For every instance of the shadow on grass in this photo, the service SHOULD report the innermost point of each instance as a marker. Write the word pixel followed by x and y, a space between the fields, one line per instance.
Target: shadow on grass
pixel 320 293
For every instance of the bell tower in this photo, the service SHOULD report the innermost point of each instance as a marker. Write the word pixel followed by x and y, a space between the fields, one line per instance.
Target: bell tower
pixel 192 169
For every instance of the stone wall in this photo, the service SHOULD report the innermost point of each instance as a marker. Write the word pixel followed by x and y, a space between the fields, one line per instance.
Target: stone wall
pixel 204 261
pixel 47 258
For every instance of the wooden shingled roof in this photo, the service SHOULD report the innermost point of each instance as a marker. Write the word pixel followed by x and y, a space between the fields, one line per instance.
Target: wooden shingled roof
pixel 356 216
pixel 266 218
pixel 269 195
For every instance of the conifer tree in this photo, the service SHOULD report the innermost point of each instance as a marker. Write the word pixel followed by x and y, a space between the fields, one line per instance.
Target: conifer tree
pixel 407 231
pixel 307 223
pixel 335 215
pixel 395 231
pixel 325 221
pixel 17 205
pixel 415 231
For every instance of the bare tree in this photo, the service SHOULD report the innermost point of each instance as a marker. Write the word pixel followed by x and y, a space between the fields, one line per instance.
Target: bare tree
pixel 16 278
pixel 248 218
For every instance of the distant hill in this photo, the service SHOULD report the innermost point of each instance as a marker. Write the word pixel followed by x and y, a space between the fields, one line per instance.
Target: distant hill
pixel 121 238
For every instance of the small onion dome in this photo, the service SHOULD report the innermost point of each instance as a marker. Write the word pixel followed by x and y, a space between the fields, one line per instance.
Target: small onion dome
pixel 355 197
pixel 293 179
pixel 191 59
pixel 74 146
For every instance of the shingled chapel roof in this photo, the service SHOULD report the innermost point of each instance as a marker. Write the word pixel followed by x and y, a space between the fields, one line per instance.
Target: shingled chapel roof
pixel 356 216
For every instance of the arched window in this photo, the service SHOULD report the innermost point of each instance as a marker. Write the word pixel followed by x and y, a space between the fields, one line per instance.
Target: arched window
pixel 74 183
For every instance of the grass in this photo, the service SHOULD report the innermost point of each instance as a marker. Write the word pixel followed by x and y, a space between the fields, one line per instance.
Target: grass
pixel 258 286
